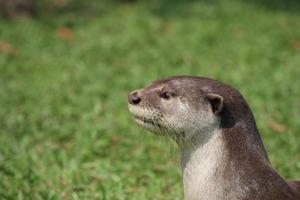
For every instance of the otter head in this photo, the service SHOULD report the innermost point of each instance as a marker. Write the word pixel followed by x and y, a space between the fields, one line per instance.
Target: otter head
pixel 179 107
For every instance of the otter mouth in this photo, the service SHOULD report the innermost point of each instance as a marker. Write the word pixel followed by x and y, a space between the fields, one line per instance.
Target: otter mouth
pixel 151 121
pixel 146 120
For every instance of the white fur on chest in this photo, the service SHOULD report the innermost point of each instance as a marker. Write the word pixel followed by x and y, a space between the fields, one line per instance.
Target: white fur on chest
pixel 199 167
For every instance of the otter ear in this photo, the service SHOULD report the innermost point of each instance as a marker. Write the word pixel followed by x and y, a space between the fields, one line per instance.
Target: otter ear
pixel 216 102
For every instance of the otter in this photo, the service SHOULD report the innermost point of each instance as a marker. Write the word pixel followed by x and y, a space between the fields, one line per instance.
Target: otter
pixel 222 153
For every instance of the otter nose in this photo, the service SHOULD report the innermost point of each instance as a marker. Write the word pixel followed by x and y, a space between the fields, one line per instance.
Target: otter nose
pixel 133 98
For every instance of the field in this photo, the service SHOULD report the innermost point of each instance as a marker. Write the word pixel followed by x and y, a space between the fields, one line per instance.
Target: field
pixel 65 130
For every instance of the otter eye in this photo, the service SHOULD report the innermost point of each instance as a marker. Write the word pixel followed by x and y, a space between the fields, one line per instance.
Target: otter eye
pixel 166 95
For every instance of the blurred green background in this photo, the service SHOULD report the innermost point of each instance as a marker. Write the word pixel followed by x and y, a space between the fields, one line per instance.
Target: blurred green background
pixel 66 68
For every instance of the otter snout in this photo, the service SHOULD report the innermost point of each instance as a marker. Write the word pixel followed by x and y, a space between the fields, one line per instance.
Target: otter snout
pixel 134 98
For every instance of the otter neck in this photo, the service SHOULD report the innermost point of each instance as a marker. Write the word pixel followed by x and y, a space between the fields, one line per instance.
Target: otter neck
pixel 200 161
pixel 210 168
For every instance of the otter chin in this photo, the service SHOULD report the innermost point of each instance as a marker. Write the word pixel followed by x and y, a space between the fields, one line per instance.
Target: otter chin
pixel 222 154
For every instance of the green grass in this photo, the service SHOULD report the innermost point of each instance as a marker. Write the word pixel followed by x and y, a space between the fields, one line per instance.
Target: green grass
pixel 65 131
